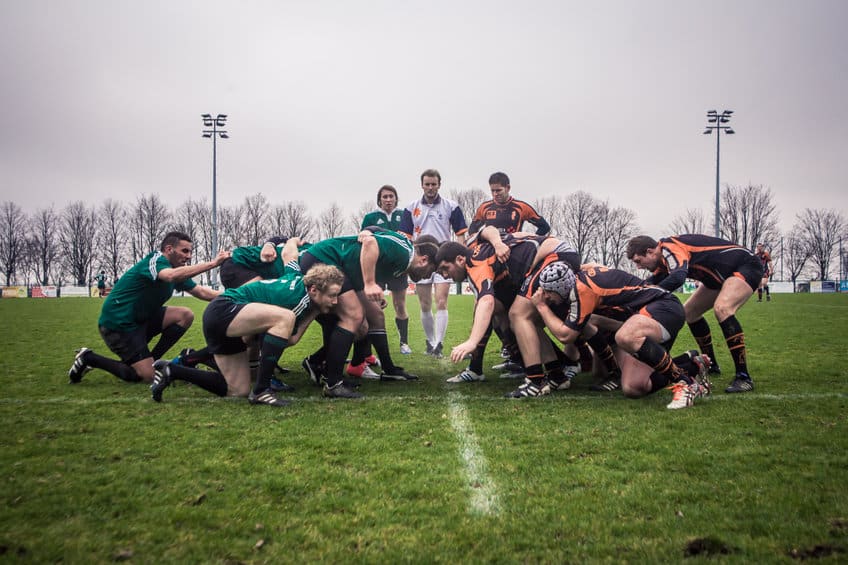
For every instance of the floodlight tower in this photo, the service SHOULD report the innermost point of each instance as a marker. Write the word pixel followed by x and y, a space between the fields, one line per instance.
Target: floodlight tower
pixel 217 122
pixel 717 120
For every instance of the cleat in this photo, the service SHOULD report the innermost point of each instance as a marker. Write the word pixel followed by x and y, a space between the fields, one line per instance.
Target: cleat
pixel 279 386
pixel 570 371
pixel 314 370
pixel 557 383
pixel 339 390
pixel 702 362
pixel 684 394
pixel 768 298
pixel 437 351
pixel 397 374
pixel 504 353
pixel 429 350
pixel 282 370
pixel 405 349
pixel 268 397
pixel 362 371
pixel 519 374
pixel 161 379
pixel 372 360
pixel 508 366
pixel 741 383
pixel 529 389
pixel 608 385
pixel 466 376
pixel 180 358
pixel 79 368
pixel 714 368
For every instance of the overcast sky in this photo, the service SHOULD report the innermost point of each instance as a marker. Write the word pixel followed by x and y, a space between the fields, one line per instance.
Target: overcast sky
pixel 328 100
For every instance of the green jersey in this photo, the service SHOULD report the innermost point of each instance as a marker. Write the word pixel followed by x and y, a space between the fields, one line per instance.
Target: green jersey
pixel 381 219
pixel 286 292
pixel 100 279
pixel 250 256
pixel 395 256
pixel 139 294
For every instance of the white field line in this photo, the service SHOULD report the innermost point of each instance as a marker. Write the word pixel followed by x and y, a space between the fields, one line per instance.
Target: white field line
pixel 484 491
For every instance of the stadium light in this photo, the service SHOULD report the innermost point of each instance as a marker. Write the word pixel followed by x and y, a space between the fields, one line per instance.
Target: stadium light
pixel 714 117
pixel 218 122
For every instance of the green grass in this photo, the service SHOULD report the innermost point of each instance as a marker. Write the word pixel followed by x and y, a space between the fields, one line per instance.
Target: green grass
pixel 97 472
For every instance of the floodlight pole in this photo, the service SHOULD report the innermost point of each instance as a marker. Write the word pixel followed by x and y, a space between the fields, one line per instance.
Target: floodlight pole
pixel 717 119
pixel 219 121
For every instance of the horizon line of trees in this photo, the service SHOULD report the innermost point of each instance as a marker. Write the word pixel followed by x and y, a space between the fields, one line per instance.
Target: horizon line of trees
pixel 72 244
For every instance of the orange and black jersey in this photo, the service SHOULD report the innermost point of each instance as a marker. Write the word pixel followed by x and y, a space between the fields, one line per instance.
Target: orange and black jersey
pixel 508 217
pixel 765 258
pixel 485 272
pixel 564 252
pixel 707 259
pixel 608 292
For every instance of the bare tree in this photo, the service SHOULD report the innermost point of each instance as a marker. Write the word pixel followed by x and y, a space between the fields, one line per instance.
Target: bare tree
pixel 112 237
pixel 581 222
pixel 231 229
pixel 552 208
pixel 355 219
pixel 13 224
pixel 749 215
pixel 77 238
pixel 195 218
pixel 691 221
pixel 44 246
pixel 617 226
pixel 794 255
pixel 468 200
pixel 149 221
pixel 292 219
pixel 822 230
pixel 255 218
pixel 331 222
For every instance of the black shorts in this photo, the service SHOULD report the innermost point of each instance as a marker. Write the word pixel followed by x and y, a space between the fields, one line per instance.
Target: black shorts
pixel 131 346
pixel 668 311
pixel 216 319
pixel 749 270
pixel 308 260
pixel 396 284
pixel 234 275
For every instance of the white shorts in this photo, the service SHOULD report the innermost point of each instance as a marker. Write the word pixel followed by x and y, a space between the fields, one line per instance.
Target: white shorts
pixel 435 279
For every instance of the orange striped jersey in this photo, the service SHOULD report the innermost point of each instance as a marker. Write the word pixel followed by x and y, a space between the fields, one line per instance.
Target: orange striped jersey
pixel 707 259
pixel 765 258
pixel 484 271
pixel 608 292
pixel 508 217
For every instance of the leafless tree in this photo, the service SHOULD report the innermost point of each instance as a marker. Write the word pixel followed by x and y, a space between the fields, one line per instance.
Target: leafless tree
pixel 76 235
pixel 256 209
pixel 194 217
pixel 13 223
pixel 292 219
pixel 795 253
pixel 112 237
pixel 331 222
pixel 149 221
pixel 691 221
pixel 581 222
pixel 552 208
pixel 749 215
pixel 44 244
pixel 822 230
pixel 617 226
pixel 232 231
pixel 468 200
pixel 354 222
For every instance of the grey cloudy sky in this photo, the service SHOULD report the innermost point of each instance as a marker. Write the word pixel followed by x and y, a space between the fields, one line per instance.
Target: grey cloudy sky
pixel 328 100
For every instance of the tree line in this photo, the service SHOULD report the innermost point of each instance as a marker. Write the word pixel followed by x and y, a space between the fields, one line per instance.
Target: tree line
pixel 69 245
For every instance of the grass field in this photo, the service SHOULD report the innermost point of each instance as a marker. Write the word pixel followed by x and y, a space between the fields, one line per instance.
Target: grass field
pixel 425 472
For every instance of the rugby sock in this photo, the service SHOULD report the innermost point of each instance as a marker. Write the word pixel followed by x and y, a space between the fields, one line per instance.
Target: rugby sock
pixel 585 354
pixel 211 381
pixel 701 332
pixel 269 355
pixel 768 294
pixel 337 349
pixel 653 354
pixel 735 339
pixel 200 356
pixel 600 344
pixel 170 336
pixel 428 324
pixel 658 382
pixel 535 373
pixel 118 368
pixel 380 340
pixel 760 294
pixel 441 326
pixel 361 350
pixel 476 362
pixel 403 329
